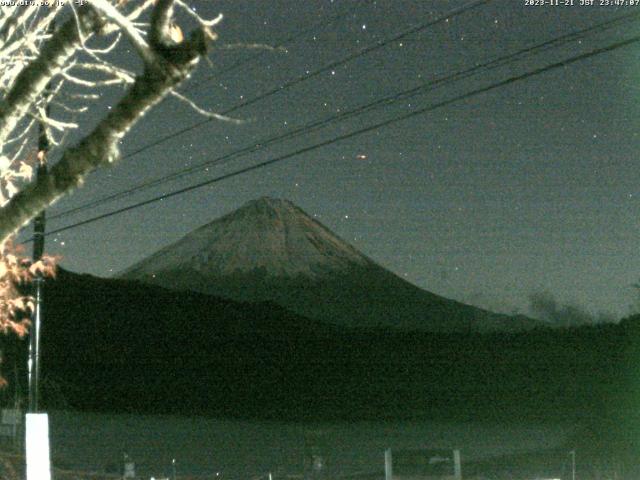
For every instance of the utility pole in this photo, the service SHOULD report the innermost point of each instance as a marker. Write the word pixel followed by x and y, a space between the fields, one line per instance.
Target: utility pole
pixel 39 222
pixel 38 249
pixel 37 450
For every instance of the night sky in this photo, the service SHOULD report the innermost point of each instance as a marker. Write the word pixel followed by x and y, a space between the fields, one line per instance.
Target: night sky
pixel 531 189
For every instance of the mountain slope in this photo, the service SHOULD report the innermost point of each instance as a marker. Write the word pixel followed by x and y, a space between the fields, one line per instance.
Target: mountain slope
pixel 271 250
pixel 118 346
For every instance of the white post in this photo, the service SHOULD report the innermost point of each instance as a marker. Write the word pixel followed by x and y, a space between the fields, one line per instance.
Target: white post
pixel 129 467
pixel 37 446
pixel 457 467
pixel 573 464
pixel 388 465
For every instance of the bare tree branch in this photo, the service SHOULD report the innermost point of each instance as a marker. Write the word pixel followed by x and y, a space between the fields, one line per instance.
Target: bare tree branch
pixel 127 27
pixel 159 33
pixel 32 81
pixel 173 64
pixel 202 111
pixel 41 67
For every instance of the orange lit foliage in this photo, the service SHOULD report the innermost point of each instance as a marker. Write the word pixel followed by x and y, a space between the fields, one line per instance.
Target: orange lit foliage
pixel 15 308
pixel 17 272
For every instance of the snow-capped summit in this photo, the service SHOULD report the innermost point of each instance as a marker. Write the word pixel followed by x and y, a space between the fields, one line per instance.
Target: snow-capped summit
pixel 271 250
pixel 270 235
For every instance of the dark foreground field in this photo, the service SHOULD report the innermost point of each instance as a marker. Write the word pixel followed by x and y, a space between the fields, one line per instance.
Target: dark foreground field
pixel 116 346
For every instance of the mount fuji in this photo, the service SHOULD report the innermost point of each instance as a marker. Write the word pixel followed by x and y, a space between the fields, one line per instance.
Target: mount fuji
pixel 271 250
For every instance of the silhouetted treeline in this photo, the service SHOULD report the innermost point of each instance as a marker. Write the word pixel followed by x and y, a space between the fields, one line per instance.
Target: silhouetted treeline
pixel 123 346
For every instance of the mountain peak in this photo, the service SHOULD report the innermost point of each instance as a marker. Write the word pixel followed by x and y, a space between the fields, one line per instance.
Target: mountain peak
pixel 267 207
pixel 269 235
pixel 271 250
pixel 271 203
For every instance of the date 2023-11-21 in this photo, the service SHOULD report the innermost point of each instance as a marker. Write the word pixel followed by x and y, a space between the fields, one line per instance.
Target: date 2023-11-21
pixel 581 3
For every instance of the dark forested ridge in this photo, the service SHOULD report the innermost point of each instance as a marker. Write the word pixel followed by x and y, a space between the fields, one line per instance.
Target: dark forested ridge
pixel 115 345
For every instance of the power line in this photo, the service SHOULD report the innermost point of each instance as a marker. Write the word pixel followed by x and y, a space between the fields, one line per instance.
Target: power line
pixel 315 125
pixel 366 50
pixel 233 67
pixel 361 131
pixel 302 78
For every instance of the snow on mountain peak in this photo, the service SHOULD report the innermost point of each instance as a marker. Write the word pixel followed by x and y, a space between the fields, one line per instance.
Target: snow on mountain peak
pixel 269 235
